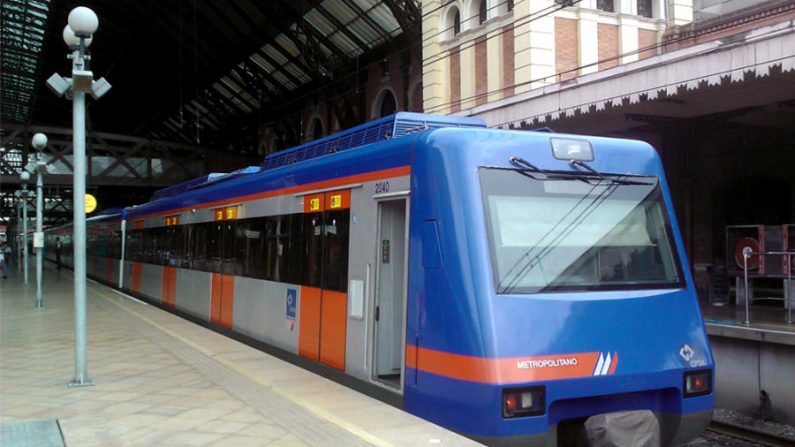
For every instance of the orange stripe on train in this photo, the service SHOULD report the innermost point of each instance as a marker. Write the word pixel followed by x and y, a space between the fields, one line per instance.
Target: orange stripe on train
pixel 341 182
pixel 503 370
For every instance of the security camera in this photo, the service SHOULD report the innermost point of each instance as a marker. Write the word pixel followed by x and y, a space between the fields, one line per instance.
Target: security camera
pixel 99 88
pixel 57 84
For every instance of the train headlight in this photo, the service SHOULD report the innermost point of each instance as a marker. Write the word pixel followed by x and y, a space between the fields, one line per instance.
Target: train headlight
pixel 570 149
pixel 520 402
pixel 697 383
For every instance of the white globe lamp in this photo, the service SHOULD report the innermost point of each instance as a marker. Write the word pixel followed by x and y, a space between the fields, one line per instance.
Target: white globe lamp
pixel 71 39
pixel 83 21
pixel 39 141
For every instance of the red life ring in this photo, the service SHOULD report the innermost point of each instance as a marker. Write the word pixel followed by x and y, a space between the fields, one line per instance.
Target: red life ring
pixel 743 244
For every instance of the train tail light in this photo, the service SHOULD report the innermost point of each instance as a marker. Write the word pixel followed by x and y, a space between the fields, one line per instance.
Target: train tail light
pixel 698 383
pixel 520 402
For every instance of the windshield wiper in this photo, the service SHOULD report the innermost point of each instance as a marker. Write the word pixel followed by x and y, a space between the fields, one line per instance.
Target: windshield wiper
pixel 526 167
pixel 612 180
pixel 582 164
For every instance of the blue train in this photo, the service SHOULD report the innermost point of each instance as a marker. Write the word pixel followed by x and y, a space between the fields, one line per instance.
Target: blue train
pixel 507 285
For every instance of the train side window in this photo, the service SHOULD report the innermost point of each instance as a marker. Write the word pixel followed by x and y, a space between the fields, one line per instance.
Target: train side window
pixel 149 244
pixel 271 249
pixel 175 250
pixel 313 231
pixel 296 251
pixel 162 244
pixel 116 245
pixel 335 268
pixel 199 260
pixel 187 247
pixel 229 261
pixel 279 244
pixel 213 258
pixel 131 246
pixel 152 240
pixel 251 244
pixel 134 246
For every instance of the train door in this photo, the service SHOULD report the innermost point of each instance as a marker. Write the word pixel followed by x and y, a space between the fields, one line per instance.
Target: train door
pixel 221 261
pixel 324 300
pixel 390 296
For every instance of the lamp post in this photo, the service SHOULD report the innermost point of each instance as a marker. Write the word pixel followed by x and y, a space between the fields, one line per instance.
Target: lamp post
pixel 83 23
pixel 18 239
pixel 39 142
pixel 24 176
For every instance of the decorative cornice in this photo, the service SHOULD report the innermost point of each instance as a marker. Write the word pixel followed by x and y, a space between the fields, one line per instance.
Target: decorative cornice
pixel 735 19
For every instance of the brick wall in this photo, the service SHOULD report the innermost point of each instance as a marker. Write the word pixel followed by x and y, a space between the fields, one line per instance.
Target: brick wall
pixel 565 48
pixel 608 46
pixel 481 73
pixel 508 61
pixel 455 80
pixel 647 38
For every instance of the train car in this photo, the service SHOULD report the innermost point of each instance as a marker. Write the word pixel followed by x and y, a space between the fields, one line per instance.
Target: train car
pixel 508 285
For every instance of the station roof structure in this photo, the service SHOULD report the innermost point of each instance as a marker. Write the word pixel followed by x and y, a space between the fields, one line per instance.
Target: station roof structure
pixel 192 71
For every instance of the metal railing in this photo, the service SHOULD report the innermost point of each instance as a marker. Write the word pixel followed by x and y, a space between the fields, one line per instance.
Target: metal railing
pixel 788 288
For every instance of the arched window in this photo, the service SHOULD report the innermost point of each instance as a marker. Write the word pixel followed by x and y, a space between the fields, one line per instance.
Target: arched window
pixel 474 14
pixel 451 22
pixel 388 104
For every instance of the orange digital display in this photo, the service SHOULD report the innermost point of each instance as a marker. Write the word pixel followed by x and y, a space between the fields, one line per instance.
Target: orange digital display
pixel 227 213
pixel 172 220
pixel 336 200
pixel 314 203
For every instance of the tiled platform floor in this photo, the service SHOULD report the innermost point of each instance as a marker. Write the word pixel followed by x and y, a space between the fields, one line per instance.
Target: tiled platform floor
pixel 163 381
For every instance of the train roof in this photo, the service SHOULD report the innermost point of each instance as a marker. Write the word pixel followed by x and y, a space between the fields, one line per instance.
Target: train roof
pixel 184 186
pixel 393 126
pixel 491 147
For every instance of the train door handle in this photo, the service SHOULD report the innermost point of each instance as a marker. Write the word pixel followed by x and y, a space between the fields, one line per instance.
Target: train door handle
pixel 377 313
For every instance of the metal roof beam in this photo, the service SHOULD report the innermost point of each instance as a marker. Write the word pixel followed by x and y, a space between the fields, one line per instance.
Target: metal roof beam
pixel 408 15
pixel 369 21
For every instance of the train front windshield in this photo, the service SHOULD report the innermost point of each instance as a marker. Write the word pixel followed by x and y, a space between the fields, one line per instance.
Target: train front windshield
pixel 566 232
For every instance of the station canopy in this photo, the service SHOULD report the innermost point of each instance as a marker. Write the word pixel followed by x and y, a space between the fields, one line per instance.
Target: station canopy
pixel 193 71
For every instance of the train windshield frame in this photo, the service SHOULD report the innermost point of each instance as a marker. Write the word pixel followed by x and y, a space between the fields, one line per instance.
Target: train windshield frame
pixel 560 232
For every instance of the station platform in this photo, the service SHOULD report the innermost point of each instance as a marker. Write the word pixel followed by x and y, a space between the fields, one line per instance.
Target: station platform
pixel 753 362
pixel 766 324
pixel 161 380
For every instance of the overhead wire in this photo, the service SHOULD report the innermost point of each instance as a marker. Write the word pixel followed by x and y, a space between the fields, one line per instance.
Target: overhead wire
pixel 444 54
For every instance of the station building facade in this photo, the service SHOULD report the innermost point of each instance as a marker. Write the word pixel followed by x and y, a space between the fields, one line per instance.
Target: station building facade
pixel 710 84
pixel 481 51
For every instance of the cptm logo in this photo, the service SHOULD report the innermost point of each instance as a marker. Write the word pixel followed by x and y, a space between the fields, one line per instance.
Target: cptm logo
pixel 606 365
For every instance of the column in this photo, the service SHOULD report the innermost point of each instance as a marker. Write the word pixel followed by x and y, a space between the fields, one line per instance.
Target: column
pixel 435 75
